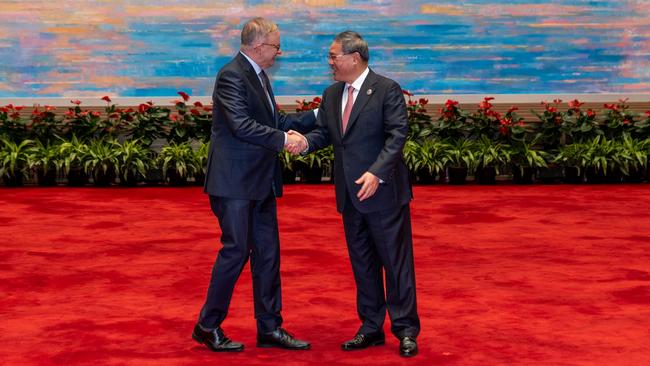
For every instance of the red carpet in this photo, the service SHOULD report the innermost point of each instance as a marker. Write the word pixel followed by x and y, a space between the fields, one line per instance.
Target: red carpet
pixel 507 275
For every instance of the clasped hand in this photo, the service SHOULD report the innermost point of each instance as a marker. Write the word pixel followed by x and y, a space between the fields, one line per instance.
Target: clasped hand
pixel 296 143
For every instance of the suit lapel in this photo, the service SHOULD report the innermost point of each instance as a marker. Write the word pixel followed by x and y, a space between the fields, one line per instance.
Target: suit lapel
pixel 255 81
pixel 363 97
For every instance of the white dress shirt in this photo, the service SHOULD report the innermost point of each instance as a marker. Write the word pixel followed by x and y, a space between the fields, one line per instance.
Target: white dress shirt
pixel 357 87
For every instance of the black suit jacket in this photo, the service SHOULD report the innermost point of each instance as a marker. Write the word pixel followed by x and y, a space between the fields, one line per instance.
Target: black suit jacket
pixel 247 135
pixel 373 142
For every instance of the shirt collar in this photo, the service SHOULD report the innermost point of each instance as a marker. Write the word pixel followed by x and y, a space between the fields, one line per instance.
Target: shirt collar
pixel 359 81
pixel 257 67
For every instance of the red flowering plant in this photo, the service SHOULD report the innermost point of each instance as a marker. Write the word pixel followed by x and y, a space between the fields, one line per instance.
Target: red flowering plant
pixel 11 123
pixel 582 125
pixel 44 124
pixel 419 122
pixel 114 122
pixel 452 123
pixel 642 127
pixel 312 163
pixel 179 128
pixel 84 124
pixel 304 105
pixel 618 120
pixel 553 124
pixel 485 121
pixel 147 123
pixel 512 128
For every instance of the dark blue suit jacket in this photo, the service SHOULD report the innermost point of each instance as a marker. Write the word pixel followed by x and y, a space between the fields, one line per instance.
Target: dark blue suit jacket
pixel 373 142
pixel 247 135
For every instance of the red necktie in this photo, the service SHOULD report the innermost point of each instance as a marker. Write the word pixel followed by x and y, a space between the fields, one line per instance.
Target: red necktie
pixel 348 107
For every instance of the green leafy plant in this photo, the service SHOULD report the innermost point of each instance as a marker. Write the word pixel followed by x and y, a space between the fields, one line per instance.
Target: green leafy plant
pixel 45 158
pixel 178 161
pixel 604 155
pixel 419 122
pixel 573 155
pixel 491 153
pixel 101 161
pixel 523 154
pixel 73 153
pixel 553 124
pixel 462 154
pixel 147 124
pixel 14 160
pixel 634 154
pixel 132 160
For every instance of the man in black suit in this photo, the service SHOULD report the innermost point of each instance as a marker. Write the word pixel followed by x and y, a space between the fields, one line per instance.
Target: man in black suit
pixel 364 116
pixel 243 180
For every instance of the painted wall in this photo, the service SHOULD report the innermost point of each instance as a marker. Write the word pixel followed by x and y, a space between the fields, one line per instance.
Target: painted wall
pixel 154 48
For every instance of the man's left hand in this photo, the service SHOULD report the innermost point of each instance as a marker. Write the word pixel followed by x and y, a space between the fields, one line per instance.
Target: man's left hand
pixel 369 182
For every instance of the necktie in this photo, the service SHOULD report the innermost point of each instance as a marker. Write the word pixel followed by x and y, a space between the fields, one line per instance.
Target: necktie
pixel 266 85
pixel 348 107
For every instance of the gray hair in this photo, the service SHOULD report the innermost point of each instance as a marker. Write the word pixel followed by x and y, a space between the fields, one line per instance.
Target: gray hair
pixel 353 42
pixel 256 29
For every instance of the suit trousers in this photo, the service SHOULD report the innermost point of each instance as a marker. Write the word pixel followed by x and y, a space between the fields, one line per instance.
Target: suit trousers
pixel 380 245
pixel 249 230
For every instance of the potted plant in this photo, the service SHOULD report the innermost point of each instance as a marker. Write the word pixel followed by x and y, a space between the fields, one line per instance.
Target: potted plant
pixel 635 154
pixel 288 162
pixel 419 122
pixel 131 161
pixel 604 161
pixel 432 159
pixel 12 125
pixel 201 162
pixel 490 155
pixel 312 164
pixel 452 123
pixel 618 120
pixel 525 160
pixel 461 159
pixel 178 163
pixel 553 125
pixel 73 153
pixel 147 124
pixel 45 160
pixel 100 161
pixel 582 126
pixel 573 158
pixel 14 161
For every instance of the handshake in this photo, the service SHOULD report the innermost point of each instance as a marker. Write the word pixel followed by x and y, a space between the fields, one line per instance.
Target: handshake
pixel 296 143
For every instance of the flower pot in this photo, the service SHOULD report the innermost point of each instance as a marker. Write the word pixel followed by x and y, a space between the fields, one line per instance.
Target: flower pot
pixel 635 176
pixel 154 176
pixel 598 176
pixel 131 179
pixel 13 180
pixel 486 175
pixel 288 176
pixel 550 174
pixel 457 175
pixel 573 175
pixel 523 175
pixel 77 177
pixel 175 179
pixel 425 177
pixel 46 178
pixel 199 179
pixel 103 178
pixel 313 175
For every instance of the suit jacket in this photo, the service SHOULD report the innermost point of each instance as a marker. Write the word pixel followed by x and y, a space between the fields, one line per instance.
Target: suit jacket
pixel 373 142
pixel 247 135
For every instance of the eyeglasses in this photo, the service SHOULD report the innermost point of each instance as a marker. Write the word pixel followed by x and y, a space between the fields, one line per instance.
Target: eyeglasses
pixel 276 46
pixel 336 57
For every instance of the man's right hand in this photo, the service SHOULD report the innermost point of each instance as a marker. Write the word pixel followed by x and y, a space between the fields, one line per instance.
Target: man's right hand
pixel 296 143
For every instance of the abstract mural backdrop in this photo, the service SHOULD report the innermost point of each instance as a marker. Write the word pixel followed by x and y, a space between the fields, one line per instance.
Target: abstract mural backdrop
pixel 154 48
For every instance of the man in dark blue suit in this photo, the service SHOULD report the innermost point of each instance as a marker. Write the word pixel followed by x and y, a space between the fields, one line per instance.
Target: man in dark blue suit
pixel 364 116
pixel 243 180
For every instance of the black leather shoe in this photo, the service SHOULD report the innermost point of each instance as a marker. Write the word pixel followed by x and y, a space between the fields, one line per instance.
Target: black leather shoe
pixel 408 347
pixel 216 340
pixel 282 339
pixel 361 341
